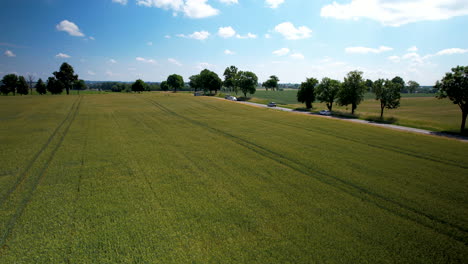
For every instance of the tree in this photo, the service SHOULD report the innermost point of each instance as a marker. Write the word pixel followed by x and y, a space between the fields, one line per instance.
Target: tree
pixel 412 86
pixel 271 83
pixel 66 76
pixel 369 84
pixel 352 90
pixel 175 82
pixel 194 82
pixel 138 86
pixel 54 86
pixel 231 78
pixel 30 82
pixel 247 82
pixel 306 93
pixel 455 86
pixel 388 93
pixel 327 91
pixel 399 81
pixel 41 87
pixel 209 80
pixel 22 86
pixel 80 85
pixel 164 86
pixel 10 81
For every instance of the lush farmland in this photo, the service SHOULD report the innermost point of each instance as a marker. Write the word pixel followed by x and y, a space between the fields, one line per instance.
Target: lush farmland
pixel 416 110
pixel 172 178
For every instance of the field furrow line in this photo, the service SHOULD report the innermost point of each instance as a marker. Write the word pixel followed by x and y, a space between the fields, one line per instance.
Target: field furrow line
pixel 24 173
pixel 350 188
pixel 388 148
pixel 23 204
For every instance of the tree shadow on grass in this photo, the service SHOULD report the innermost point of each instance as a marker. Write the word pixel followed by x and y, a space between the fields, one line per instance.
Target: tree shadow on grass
pixel 377 119
pixel 345 115
pixel 452 134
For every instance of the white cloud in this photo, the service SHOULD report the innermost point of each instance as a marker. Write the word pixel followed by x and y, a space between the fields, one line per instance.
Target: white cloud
pixel 452 51
pixel 167 36
pixel 190 8
pixel 69 27
pixel 174 61
pixel 112 61
pixel 365 50
pixel 140 59
pixel 281 52
pixel 9 53
pixel 229 2
pixel 394 59
pixel 267 36
pixel 91 73
pixel 149 43
pixel 92 38
pixel 229 52
pixel 289 31
pixel 226 32
pixel 274 3
pixel 199 35
pixel 248 36
pixel 62 56
pixel 412 49
pixel 297 56
pixel 396 13
pixel 122 2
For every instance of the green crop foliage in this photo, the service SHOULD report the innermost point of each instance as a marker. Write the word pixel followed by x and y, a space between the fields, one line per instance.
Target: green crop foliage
pixel 173 178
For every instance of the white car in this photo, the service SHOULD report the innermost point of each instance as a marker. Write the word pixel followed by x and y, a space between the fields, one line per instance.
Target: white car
pixel 325 112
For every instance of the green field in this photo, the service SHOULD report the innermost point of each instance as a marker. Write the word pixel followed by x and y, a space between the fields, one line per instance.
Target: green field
pixel 172 178
pixel 416 110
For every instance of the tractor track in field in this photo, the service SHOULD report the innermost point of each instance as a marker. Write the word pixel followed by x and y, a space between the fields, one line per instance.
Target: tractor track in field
pixel 350 188
pixel 28 196
pixel 24 173
pixel 388 148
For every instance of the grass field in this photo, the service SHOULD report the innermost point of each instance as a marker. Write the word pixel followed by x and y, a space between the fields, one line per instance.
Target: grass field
pixel 172 178
pixel 416 110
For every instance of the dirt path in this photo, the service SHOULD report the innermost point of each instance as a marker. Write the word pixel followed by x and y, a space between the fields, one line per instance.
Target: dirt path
pixel 388 126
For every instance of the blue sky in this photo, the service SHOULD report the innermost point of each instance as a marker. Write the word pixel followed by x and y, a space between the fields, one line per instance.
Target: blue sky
pixel 124 40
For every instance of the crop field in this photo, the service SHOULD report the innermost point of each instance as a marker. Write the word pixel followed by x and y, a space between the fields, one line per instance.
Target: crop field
pixel 416 110
pixel 172 178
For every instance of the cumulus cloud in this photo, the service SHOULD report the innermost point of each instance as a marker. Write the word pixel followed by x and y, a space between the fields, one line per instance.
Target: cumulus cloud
pixel 229 52
pixel 274 3
pixel 248 36
pixel 199 35
pixel 396 13
pixel 174 61
pixel 452 51
pixel 394 59
pixel 229 2
pixel 140 59
pixel 281 52
pixel 9 53
pixel 365 50
pixel 190 8
pixel 69 27
pixel 62 56
pixel 226 32
pixel 297 56
pixel 122 2
pixel 289 31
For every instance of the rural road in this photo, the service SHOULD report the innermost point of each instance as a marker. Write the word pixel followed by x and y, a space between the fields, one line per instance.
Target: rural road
pixel 395 127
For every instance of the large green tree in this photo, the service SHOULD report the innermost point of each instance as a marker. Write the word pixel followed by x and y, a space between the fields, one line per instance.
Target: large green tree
pixel 271 83
pixel 306 93
pixel 327 91
pixel 210 81
pixel 388 93
pixel 41 88
pixel 175 82
pixel 412 86
pixel 80 85
pixel 66 76
pixel 231 77
pixel 194 82
pixel 10 82
pixel 455 86
pixel 247 82
pixel 22 86
pixel 138 86
pixel 54 86
pixel 369 84
pixel 352 90
pixel 399 82
pixel 164 86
